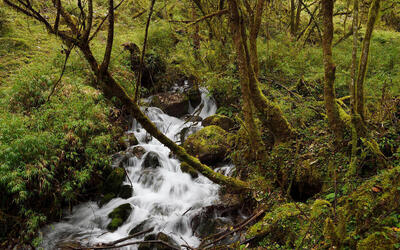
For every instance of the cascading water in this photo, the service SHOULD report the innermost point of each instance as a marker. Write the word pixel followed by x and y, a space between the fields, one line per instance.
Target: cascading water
pixel 164 198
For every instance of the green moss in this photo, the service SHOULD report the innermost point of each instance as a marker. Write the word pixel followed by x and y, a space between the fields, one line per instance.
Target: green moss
pixel 118 216
pixel 114 181
pixel 208 144
pixel 222 121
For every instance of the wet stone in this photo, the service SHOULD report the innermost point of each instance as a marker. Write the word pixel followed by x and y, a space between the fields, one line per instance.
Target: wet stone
pixel 160 236
pixel 151 161
pixel 126 192
pixel 106 198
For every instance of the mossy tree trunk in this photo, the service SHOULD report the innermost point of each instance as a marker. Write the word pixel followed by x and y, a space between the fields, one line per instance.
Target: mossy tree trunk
pixel 254 135
pixel 111 88
pixel 363 65
pixel 270 113
pixel 332 110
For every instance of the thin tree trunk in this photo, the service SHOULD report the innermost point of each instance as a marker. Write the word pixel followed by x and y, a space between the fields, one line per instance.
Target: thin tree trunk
pixel 362 69
pixel 332 110
pixel 297 21
pixel 292 17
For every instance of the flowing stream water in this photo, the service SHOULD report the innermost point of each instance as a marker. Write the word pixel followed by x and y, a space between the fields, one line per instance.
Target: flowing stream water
pixel 164 198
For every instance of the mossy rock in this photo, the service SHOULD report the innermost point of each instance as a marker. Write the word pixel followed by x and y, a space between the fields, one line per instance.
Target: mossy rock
pixel 118 216
pixel 186 168
pixel 126 192
pixel 209 144
pixel 114 181
pixel 151 161
pixel 106 198
pixel 280 226
pixel 221 121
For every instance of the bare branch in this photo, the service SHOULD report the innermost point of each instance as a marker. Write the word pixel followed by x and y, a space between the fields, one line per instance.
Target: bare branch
pixel 110 38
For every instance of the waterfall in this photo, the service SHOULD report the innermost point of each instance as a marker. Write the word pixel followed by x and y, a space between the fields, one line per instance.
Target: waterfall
pixel 164 198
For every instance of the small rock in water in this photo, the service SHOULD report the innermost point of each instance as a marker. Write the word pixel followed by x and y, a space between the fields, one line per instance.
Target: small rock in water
pixel 126 192
pixel 137 151
pixel 151 161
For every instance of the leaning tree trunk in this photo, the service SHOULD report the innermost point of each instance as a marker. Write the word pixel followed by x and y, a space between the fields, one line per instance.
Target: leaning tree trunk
pixel 362 69
pixel 332 110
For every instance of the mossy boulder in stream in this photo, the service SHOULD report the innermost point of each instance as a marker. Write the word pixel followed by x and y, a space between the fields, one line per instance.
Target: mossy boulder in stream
pixel 221 121
pixel 209 144
pixel 106 198
pixel 118 216
pixel 114 181
pixel 173 104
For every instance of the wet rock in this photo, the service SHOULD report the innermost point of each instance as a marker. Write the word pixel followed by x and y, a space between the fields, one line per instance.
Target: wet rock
pixel 208 144
pixel 188 169
pixel 221 121
pixel 151 161
pixel 194 95
pixel 106 198
pixel 114 181
pixel 148 138
pixel 137 151
pixel 118 216
pixel 143 226
pixel 173 104
pixel 126 192
pixel 160 236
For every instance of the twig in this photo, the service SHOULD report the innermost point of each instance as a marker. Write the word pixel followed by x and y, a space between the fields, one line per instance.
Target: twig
pixel 67 53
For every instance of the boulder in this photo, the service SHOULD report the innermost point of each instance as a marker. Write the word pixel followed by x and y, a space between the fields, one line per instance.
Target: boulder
pixel 114 181
pixel 160 236
pixel 126 192
pixel 151 161
pixel 208 144
pixel 118 216
pixel 173 104
pixel 192 118
pixel 219 120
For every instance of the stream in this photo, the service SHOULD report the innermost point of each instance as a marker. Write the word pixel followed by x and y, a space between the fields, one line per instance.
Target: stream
pixel 164 198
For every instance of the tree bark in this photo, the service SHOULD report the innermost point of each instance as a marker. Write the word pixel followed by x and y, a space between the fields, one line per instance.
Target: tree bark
pixel 332 110
pixel 363 65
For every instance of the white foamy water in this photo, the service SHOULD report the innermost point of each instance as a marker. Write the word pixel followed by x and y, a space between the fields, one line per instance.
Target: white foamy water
pixel 166 198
